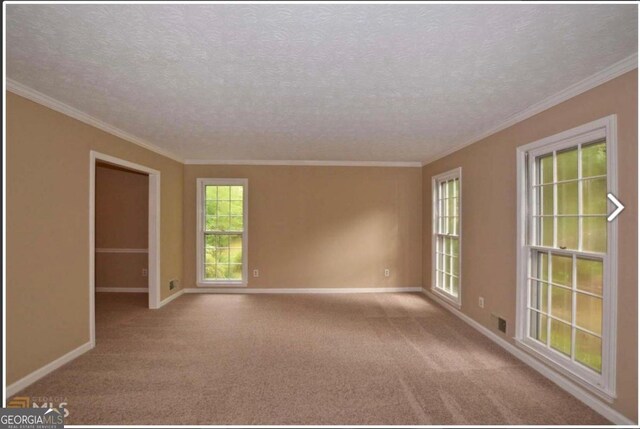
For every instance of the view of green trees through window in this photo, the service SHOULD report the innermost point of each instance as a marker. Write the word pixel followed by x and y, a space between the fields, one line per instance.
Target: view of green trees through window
pixel 447 251
pixel 223 229
pixel 569 236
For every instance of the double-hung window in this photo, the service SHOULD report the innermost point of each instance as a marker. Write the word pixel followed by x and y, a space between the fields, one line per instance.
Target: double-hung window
pixel 566 290
pixel 222 232
pixel 446 192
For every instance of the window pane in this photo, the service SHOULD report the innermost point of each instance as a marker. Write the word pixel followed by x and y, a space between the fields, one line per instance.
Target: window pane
pixel 209 271
pixel 452 203
pixel 222 272
pixel 235 255
pixel 211 223
pixel 594 234
pixel 546 235
pixel 568 198
pixel 223 192
pixel 561 270
pixel 561 303
pixel 223 240
pixel 454 265
pixel 594 196
pixel 538 326
pixel 567 162
pixel 455 244
pixel 235 271
pixel 236 192
pixel 546 200
pixel 453 225
pixel 568 232
pixel 209 256
pixel 236 208
pixel 561 337
pixel 451 188
pixel 594 160
pixel 543 266
pixel 589 313
pixel 211 192
pixel 235 241
pixel 539 297
pixel 589 275
pixel 546 169
pixel 211 208
pixel 210 241
pixel 454 286
pixel 223 223
pixel 589 350
pixel 223 208
pixel 222 255
pixel 235 223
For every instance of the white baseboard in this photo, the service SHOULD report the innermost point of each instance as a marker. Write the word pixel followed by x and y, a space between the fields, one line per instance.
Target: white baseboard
pixel 587 398
pixel 45 370
pixel 245 290
pixel 171 298
pixel 123 289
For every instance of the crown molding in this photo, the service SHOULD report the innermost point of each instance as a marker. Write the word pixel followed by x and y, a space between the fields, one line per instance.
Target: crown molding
pixel 59 106
pixel 303 163
pixel 609 73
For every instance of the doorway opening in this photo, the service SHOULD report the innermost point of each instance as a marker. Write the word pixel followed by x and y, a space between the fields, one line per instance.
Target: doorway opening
pixel 124 230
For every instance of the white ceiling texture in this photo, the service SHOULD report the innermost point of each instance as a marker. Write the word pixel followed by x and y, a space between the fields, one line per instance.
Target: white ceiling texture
pixel 403 83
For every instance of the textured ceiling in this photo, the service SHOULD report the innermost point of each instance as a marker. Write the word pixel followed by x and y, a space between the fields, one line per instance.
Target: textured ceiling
pixel 310 82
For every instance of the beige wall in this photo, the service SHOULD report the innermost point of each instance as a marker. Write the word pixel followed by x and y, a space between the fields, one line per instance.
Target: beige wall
pixel 48 229
pixel 489 216
pixel 122 218
pixel 322 227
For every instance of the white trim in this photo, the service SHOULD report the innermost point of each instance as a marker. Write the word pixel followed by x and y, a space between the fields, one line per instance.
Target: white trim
pixel 567 385
pixel 603 384
pixel 171 298
pixel 603 76
pixel 47 369
pixel 123 289
pixel 154 230
pixel 303 290
pixel 113 250
pixel 50 102
pixel 455 173
pixel 201 183
pixel 304 163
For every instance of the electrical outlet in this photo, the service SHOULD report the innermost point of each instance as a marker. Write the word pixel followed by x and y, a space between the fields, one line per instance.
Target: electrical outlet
pixel 256 273
pixel 145 273
pixel 387 273
pixel 481 302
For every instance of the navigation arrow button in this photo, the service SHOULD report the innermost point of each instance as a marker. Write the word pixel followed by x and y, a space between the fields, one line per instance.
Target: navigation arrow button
pixel 619 207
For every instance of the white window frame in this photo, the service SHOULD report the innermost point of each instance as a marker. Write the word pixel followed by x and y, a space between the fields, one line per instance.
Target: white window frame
pixel 202 183
pixel 603 384
pixel 456 173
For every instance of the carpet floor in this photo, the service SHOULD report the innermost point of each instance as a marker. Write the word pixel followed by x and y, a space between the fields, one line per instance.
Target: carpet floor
pixel 299 359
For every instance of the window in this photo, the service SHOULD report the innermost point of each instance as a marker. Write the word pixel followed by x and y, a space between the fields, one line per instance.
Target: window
pixel 446 236
pixel 566 303
pixel 222 237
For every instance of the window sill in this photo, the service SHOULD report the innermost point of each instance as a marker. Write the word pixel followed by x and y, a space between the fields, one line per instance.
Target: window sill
pixel 446 298
pixel 561 370
pixel 221 284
